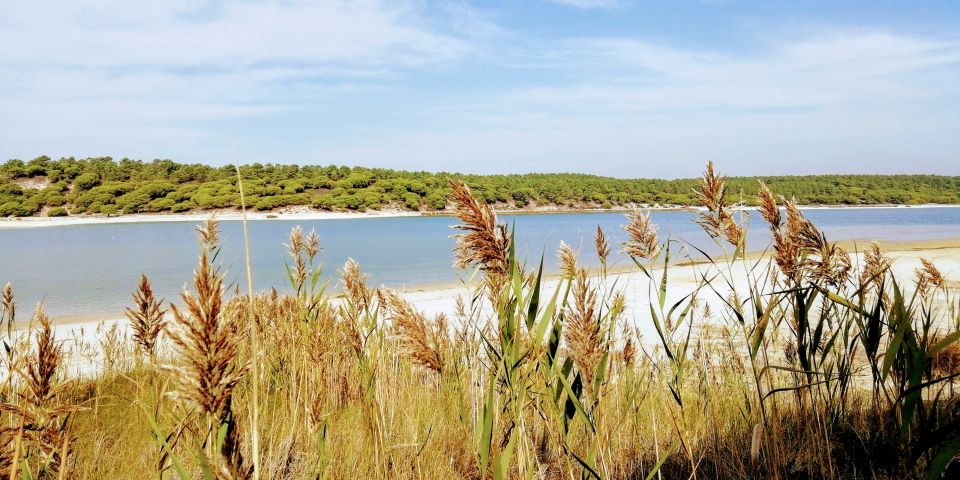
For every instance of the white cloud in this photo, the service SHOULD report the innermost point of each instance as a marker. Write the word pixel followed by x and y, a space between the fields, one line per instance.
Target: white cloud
pixel 165 65
pixel 410 85
pixel 835 102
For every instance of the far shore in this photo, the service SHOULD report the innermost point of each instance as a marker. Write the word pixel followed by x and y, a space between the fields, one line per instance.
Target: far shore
pixel 306 213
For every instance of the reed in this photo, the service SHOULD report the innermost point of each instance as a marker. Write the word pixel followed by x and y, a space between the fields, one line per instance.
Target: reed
pixel 146 318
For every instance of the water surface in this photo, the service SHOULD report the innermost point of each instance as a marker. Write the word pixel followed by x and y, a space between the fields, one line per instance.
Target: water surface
pixel 90 269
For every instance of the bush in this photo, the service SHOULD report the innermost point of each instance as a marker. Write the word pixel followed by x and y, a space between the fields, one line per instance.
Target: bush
pixel 160 205
pixel 411 200
pixel 86 181
pixel 324 202
pixel 13 209
pixel 57 212
pixel 183 207
pixel 437 199
pixel 268 203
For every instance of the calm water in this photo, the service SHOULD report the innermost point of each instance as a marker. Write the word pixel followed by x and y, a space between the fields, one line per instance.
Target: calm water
pixel 87 269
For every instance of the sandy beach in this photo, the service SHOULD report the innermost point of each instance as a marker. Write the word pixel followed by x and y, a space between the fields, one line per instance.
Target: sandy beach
pixel 307 213
pixel 82 334
pixel 222 215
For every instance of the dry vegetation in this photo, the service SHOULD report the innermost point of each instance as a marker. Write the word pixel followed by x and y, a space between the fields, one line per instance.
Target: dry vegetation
pixel 819 369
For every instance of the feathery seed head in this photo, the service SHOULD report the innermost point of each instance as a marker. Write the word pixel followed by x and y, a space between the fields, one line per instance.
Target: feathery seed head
pixel 568 260
pixel 418 340
pixel 147 319
pixel 582 327
pixel 768 206
pixel 484 242
pixel 209 233
pixel 601 245
pixel 643 235
pixel 718 220
pixel 875 266
pixel 928 277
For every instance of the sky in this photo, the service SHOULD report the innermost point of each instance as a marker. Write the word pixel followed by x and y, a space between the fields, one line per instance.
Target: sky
pixel 610 87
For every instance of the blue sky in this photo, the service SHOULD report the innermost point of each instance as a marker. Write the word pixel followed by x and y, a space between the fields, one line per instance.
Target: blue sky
pixel 611 87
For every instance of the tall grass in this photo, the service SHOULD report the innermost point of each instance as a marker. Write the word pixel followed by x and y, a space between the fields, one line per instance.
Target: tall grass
pixel 796 364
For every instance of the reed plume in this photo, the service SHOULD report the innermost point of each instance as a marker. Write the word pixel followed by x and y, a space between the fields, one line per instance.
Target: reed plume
pixel 718 220
pixel 355 284
pixel 147 318
pixel 484 243
pixel 41 418
pixel 207 341
pixel 209 233
pixel 875 266
pixel 359 300
pixel 582 329
pixel 601 246
pixel 768 206
pixel 800 249
pixel 42 370
pixel 628 353
pixel 419 340
pixel 643 235
pixel 295 248
pixel 9 307
pixel 824 261
pixel 928 277
pixel 568 260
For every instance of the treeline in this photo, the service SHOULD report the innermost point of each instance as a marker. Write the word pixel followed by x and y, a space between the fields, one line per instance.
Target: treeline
pixel 102 185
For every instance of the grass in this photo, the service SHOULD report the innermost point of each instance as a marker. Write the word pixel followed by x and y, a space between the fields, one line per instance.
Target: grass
pixel 813 368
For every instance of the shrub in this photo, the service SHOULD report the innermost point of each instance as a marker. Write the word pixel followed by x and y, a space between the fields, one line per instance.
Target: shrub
pixel 86 181
pixel 183 207
pixel 57 212
pixel 437 199
pixel 411 200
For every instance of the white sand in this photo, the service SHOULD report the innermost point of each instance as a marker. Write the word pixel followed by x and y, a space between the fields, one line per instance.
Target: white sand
pixel 223 215
pixel 307 213
pixel 82 339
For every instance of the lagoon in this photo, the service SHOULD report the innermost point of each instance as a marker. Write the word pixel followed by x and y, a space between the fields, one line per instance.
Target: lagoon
pixel 80 270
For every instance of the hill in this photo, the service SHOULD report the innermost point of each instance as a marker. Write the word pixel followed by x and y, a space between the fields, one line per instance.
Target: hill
pixel 102 185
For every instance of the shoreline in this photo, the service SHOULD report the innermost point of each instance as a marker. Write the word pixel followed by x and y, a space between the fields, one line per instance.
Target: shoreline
pixel 312 214
pixel 938 251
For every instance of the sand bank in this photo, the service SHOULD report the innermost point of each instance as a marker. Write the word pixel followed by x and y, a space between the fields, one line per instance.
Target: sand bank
pixel 306 213
pixel 223 215
pixel 82 335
